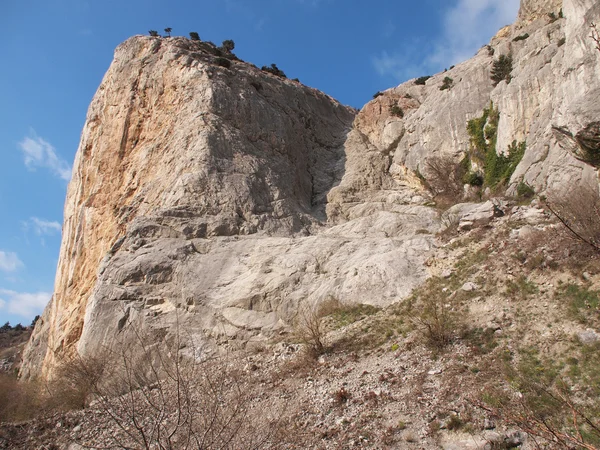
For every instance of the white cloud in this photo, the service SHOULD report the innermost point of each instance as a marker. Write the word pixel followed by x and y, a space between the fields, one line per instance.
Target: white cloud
pixel 466 26
pixel 42 227
pixel 9 262
pixel 39 153
pixel 24 304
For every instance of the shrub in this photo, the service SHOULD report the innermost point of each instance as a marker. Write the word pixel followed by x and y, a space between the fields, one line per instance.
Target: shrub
pixel 521 37
pixel 579 212
pixel 194 36
pixel 377 94
pixel 397 111
pixel 553 401
pixel 173 400
pixel 552 17
pixel 561 42
pixel 168 31
pixel 524 190
pixel 422 80
pixel 473 179
pixel 223 62
pixel 153 33
pixel 311 329
pixel 274 70
pixel 595 35
pixel 434 319
pixel 445 178
pixel 501 69
pixel 483 132
pixel 228 45
pixel 499 168
pixel 447 84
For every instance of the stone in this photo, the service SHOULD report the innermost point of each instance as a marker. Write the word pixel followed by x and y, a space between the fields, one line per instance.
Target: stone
pixel 447 273
pixel 469 286
pixel 588 337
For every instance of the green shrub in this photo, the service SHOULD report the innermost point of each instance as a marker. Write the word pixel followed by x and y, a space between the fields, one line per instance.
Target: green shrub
pixel 223 62
pixel 524 190
pixel 274 70
pixel 483 133
pixel 447 84
pixel 499 168
pixel 552 17
pixel 561 42
pixel 228 45
pixel 397 111
pixel 473 179
pixel 422 80
pixel 501 70
pixel 194 36
pixel 522 37
pixel 377 94
pixel 153 33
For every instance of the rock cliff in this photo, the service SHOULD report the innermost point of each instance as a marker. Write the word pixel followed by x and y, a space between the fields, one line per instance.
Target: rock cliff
pixel 210 196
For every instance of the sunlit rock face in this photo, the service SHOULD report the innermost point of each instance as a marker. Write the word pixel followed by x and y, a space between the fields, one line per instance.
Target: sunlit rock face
pixel 211 197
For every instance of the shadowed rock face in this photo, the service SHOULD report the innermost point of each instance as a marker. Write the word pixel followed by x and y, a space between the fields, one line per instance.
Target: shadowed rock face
pixel 219 200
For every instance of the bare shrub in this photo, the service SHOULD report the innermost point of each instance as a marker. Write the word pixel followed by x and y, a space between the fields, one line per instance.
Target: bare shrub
pixel 595 35
pixel 155 397
pixel 435 318
pixel 311 330
pixel 547 412
pixel 445 178
pixel 579 212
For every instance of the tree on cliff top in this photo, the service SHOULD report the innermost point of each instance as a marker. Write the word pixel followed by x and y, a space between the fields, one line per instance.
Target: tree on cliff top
pixel 228 45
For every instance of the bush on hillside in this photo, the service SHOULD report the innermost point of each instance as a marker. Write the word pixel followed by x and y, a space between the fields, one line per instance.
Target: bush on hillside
pixel 501 70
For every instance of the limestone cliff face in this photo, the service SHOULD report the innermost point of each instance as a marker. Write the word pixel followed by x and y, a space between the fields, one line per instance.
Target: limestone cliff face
pixel 551 98
pixel 219 200
pixel 196 195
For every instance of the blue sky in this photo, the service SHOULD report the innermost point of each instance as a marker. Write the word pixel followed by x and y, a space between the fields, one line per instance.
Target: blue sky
pixel 55 53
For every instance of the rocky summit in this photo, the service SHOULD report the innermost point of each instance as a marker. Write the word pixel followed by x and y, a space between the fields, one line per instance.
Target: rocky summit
pixel 425 237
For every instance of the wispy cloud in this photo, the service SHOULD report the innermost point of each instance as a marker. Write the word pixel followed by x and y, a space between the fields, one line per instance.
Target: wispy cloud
pixel 24 304
pixel 10 262
pixel 247 12
pixel 466 26
pixel 313 3
pixel 39 153
pixel 42 227
pixel 388 29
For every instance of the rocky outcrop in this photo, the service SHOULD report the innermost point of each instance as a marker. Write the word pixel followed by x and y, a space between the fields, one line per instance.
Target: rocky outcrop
pixel 550 100
pixel 198 198
pixel 211 197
